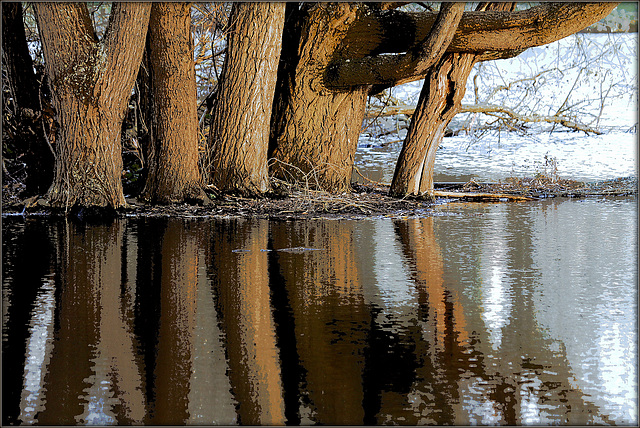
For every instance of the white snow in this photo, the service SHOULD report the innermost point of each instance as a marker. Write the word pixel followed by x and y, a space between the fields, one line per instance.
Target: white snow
pixel 592 77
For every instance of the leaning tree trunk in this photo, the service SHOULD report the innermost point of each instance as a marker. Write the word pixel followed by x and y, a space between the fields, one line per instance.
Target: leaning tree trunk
pixel 332 59
pixel 239 133
pixel 440 100
pixel 91 83
pixel 25 91
pixel 445 83
pixel 315 130
pixel 173 171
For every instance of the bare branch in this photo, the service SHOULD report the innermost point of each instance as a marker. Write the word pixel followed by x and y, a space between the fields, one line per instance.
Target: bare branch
pixel 491 110
pixel 494 110
pixel 388 69
pixel 491 34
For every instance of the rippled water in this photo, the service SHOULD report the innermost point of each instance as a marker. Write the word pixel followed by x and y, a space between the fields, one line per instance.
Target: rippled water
pixel 507 313
pixel 492 159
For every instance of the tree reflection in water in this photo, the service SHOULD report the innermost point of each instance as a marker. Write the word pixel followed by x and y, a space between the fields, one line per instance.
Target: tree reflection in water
pixel 163 321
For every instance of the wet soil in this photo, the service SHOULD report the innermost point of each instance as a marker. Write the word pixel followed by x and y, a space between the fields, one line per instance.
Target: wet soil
pixel 364 201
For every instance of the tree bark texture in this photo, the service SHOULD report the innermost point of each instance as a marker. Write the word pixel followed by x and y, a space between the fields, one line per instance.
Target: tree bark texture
pixel 497 33
pixel 439 101
pixel 173 171
pixel 25 91
pixel 91 83
pixel 315 130
pixel 239 133
pixel 331 61
pixel 385 70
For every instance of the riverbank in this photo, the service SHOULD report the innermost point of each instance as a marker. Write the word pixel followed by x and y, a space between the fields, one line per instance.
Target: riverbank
pixel 370 200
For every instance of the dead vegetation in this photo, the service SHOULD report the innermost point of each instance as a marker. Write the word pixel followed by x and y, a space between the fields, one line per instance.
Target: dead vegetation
pixel 291 201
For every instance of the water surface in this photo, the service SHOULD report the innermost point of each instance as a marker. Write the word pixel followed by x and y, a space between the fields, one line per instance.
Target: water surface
pixel 507 313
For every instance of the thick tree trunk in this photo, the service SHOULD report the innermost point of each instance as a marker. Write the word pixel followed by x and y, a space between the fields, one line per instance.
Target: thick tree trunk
pixel 315 130
pixel 25 91
pixel 91 83
pixel 173 171
pixel 239 135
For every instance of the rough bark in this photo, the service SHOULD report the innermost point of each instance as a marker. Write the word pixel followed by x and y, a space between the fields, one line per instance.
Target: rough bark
pixel 385 70
pixel 498 33
pixel 315 130
pixel 173 171
pixel 25 91
pixel 331 60
pixel 439 102
pixel 91 83
pixel 239 133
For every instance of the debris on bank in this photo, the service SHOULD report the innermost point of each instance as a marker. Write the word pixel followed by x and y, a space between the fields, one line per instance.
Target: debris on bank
pixel 546 187
pixel 365 200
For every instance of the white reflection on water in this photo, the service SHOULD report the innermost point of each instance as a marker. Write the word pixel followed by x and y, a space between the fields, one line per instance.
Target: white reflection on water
pixel 588 258
pixel 480 409
pixel 390 270
pixel 38 352
pixel 529 408
pixel 497 295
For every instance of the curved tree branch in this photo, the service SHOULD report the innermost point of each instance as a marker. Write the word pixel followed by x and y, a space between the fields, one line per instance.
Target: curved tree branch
pixel 537 26
pixel 489 34
pixel 417 60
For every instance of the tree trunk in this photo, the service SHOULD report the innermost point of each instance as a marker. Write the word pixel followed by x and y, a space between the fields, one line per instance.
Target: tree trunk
pixel 91 83
pixel 239 135
pixel 315 130
pixel 17 61
pixel 439 101
pixel 173 172
pixel 25 91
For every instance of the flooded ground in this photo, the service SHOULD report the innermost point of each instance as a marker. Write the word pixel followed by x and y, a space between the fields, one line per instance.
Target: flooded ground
pixel 506 313
pixel 473 313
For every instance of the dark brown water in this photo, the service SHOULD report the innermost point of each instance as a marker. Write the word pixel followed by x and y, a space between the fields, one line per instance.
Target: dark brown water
pixel 478 314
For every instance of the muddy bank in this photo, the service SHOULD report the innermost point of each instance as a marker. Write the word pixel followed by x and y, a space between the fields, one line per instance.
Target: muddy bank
pixel 364 201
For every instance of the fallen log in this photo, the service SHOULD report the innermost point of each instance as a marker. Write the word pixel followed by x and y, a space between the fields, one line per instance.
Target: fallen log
pixel 481 196
pixel 506 114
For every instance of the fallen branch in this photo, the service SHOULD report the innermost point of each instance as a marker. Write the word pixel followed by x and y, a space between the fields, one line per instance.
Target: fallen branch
pixel 490 196
pixel 504 113
pixel 494 110
pixel 385 111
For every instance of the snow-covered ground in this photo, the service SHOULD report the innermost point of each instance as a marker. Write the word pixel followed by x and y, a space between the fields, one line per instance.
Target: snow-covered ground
pixel 591 78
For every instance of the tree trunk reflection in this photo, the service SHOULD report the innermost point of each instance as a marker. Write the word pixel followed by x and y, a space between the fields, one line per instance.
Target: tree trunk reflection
pixel 241 281
pixel 178 285
pixel 94 354
pixel 325 293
